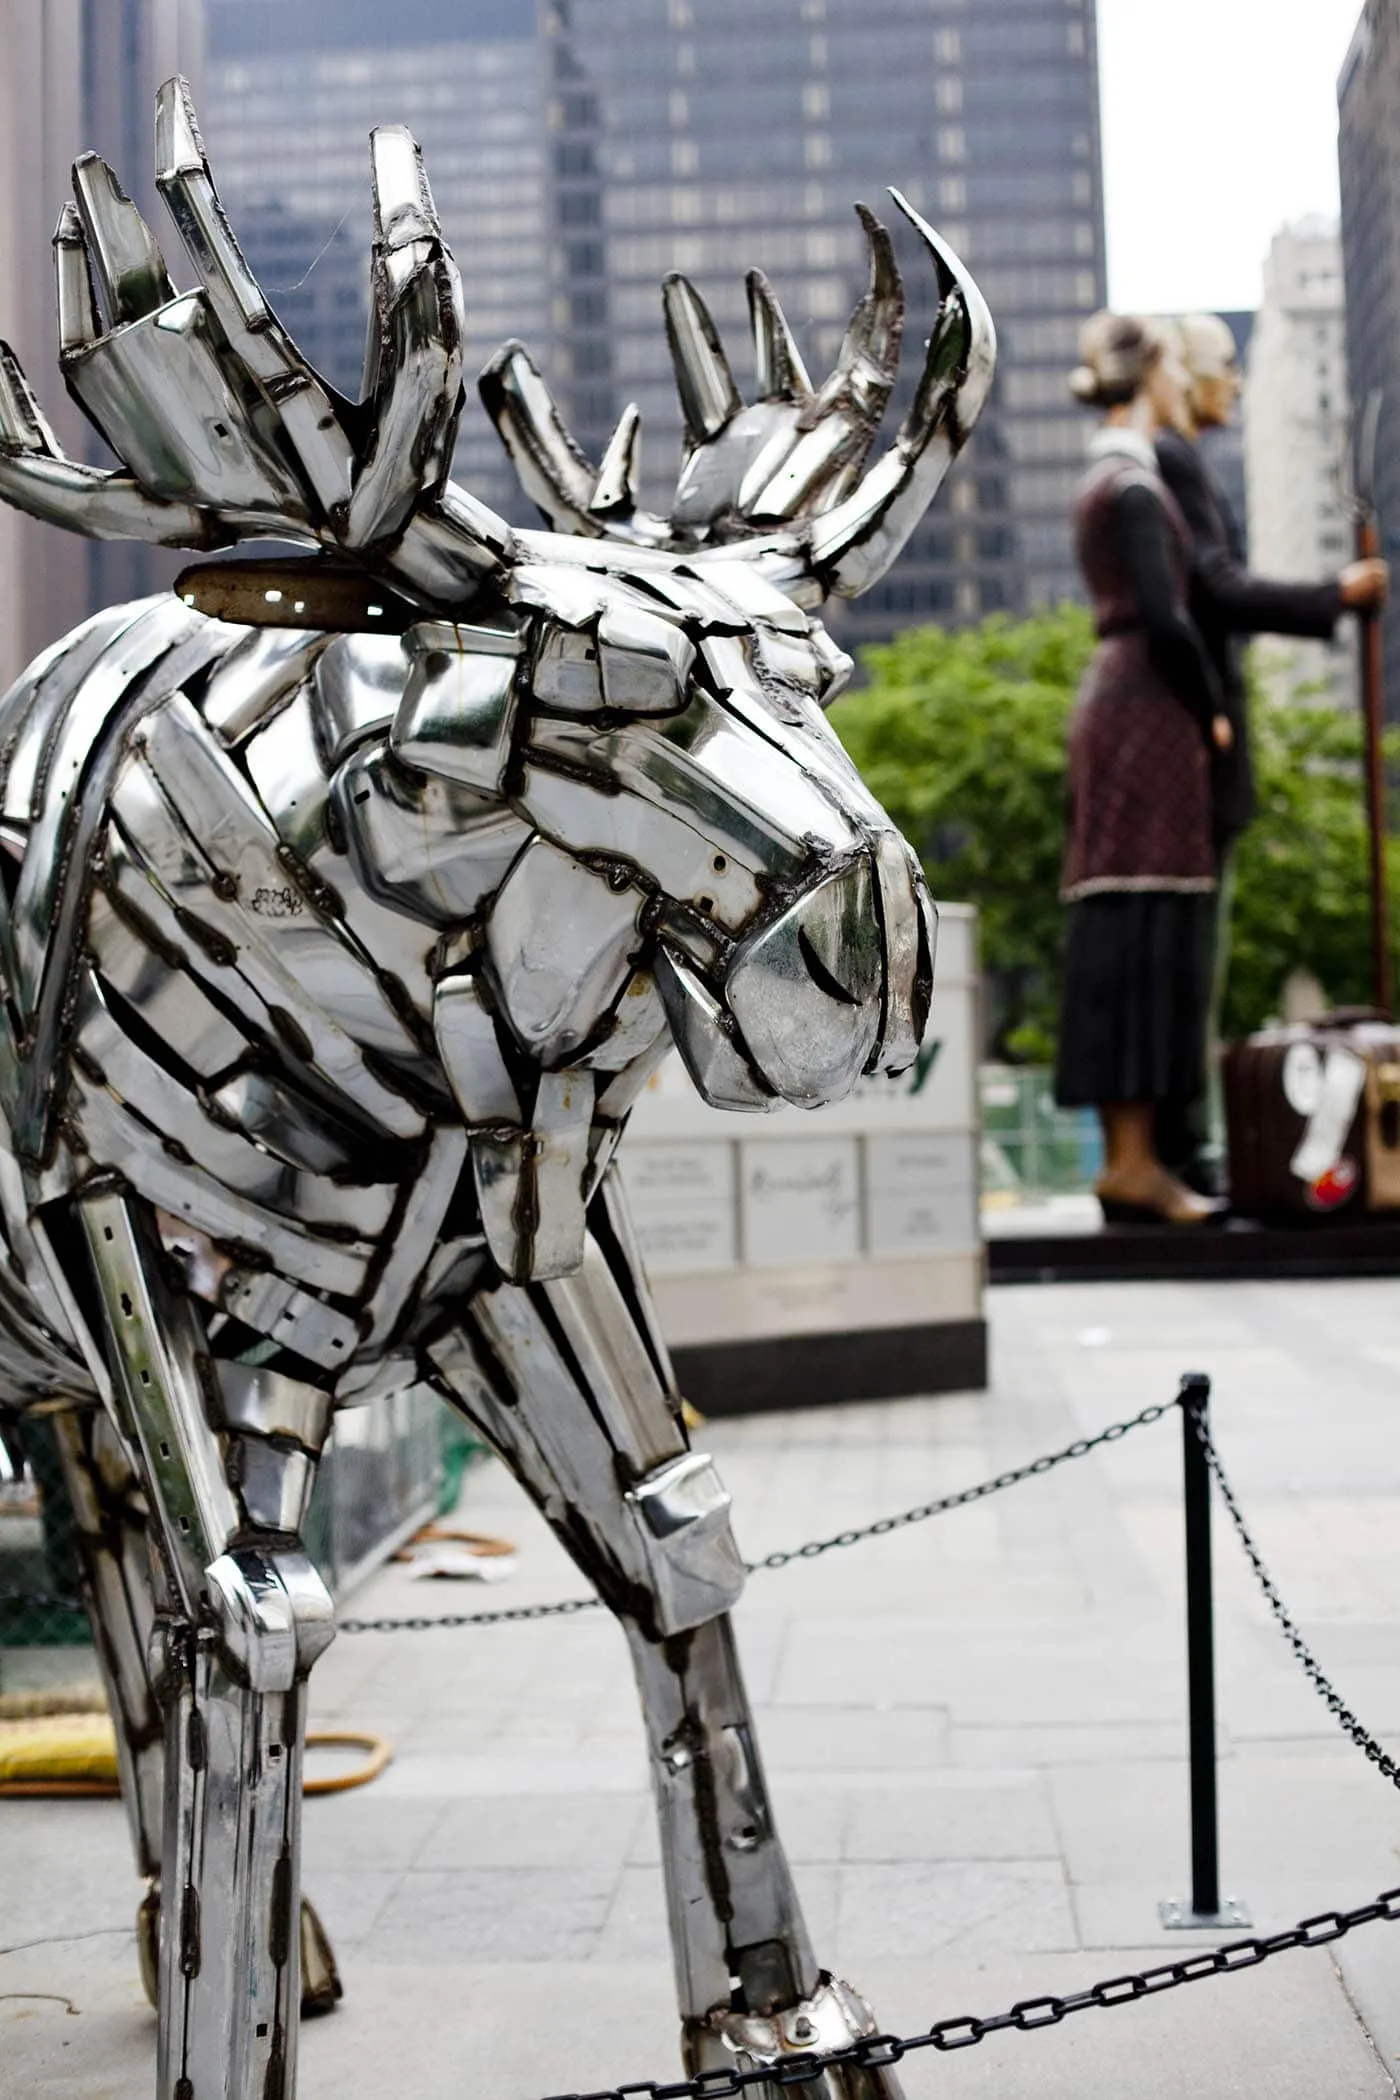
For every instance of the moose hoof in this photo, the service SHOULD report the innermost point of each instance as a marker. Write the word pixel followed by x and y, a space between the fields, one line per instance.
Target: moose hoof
pixel 320 1979
pixel 832 2018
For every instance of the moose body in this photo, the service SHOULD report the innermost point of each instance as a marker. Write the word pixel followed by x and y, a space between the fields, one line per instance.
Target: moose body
pixel 346 906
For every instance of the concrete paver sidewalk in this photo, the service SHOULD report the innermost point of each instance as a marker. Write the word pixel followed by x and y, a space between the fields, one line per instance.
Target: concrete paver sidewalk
pixel 974 1732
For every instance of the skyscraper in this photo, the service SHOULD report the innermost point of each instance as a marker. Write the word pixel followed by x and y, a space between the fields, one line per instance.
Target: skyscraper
pixel 292 93
pixel 1368 95
pixel 580 149
pixel 731 134
pixel 1295 434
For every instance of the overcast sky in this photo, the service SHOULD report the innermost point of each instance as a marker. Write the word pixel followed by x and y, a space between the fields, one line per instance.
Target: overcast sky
pixel 1220 125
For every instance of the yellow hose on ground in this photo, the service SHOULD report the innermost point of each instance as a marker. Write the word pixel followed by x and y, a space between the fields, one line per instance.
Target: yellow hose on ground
pixel 74 1755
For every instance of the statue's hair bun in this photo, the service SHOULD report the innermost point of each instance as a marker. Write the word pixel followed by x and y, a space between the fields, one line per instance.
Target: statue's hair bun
pixel 1116 352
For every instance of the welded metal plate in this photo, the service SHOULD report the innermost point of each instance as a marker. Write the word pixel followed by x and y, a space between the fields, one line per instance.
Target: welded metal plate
pixel 560 939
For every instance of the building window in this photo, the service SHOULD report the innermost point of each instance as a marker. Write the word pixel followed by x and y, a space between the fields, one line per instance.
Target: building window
pixel 580 208
pixel 948 96
pixel 952 143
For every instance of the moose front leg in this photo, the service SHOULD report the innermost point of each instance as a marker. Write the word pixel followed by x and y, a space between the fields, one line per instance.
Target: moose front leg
pixel 116 1572
pixel 245 1617
pixel 569 1380
pixel 118 1569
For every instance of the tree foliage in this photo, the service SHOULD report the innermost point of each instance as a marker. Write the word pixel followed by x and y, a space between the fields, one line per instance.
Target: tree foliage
pixel 962 737
pixel 1302 894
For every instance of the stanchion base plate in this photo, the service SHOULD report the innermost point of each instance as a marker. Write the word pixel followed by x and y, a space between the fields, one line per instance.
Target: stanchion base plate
pixel 1180 1917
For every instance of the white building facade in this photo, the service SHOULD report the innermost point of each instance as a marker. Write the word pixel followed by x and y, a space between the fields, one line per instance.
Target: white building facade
pixel 1296 426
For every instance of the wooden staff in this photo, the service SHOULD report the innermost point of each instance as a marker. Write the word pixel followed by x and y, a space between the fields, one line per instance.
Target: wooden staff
pixel 1368 545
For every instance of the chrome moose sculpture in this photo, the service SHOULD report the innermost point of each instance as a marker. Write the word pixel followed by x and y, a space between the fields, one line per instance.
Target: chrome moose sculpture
pixel 347 902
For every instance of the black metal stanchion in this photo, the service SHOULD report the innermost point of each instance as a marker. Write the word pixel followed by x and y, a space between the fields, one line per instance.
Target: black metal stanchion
pixel 1205 1907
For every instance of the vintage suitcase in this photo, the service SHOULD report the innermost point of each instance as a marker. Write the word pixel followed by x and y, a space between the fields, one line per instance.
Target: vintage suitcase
pixel 1313 1118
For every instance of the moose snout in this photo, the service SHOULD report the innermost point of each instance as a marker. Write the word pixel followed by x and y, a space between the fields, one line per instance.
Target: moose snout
pixel 840 971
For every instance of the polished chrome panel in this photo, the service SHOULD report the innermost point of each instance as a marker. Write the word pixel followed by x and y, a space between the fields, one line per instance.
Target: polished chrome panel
pixel 675 853
pixel 471 1052
pixel 682 1513
pixel 37 703
pixel 566 673
pixel 420 842
pixel 224 1148
pixel 426 1199
pixel 639 1413
pixel 704 1036
pixel 499 1162
pixel 262 671
pixel 276 919
pixel 171 1006
pixel 360 679
pixel 563 1115
pixel 806 990
pixel 293 1127
pixel 560 940
pixel 908 924
pixel 458 706
pixel 637 1019
pixel 645 661
pixel 272 1484
pixel 286 769
pixel 66 753
pixel 267 1403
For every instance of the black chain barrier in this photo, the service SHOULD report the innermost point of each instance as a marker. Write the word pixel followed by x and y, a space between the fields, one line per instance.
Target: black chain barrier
pixel 877 2051
pixel 813 1548
pixel 567 1607
pixel 1312 1668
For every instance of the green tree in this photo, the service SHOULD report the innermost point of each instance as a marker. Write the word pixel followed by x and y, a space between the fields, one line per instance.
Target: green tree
pixel 962 737
pixel 1302 896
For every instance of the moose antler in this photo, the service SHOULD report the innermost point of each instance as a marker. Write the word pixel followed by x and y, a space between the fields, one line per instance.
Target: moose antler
pixel 791 459
pixel 224 430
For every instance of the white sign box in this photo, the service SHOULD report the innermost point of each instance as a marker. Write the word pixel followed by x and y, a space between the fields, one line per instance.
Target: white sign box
pixel 921 1193
pixel 683 1204
pixel 799 1200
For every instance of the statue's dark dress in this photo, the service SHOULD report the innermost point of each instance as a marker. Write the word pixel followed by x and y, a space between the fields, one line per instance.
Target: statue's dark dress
pixel 1139 864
